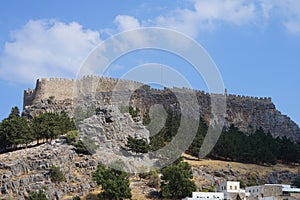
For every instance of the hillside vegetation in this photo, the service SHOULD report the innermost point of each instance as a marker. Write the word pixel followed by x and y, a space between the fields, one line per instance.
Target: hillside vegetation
pixel 259 147
pixel 17 131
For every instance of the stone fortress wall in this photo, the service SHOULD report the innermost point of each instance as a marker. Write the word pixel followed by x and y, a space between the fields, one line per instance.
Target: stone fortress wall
pixel 46 88
pixel 62 88
pixel 246 112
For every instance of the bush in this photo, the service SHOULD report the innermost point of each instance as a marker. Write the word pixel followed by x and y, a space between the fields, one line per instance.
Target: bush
pixel 177 181
pixel 86 146
pixel 137 145
pixel 72 136
pixel 56 174
pixel 114 183
pixel 296 182
pixel 40 195
pixel 133 111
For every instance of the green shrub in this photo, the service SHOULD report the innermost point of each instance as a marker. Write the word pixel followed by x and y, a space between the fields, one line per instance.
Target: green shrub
pixel 40 195
pixel 114 183
pixel 56 174
pixel 137 145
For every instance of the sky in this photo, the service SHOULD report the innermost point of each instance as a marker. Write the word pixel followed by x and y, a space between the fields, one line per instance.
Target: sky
pixel 254 43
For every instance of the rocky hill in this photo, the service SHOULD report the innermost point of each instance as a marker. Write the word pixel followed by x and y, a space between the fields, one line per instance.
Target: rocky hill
pixel 28 170
pixel 246 113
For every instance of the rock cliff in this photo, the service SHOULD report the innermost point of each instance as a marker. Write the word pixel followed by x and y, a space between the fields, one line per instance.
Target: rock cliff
pixel 247 113
pixel 27 170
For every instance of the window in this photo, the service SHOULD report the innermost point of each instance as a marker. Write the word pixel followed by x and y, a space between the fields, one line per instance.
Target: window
pixel 231 187
pixel 235 187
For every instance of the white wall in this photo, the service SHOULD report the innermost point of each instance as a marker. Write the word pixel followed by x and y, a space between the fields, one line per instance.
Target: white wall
pixel 255 191
pixel 233 186
pixel 266 198
pixel 208 195
pixel 229 186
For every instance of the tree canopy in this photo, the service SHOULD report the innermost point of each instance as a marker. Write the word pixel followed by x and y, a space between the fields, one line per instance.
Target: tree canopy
pixel 259 148
pixel 137 145
pixel 177 181
pixel 114 183
pixel 16 130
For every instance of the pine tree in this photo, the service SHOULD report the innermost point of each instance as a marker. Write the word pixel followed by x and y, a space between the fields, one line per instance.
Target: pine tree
pixel 115 183
pixel 177 181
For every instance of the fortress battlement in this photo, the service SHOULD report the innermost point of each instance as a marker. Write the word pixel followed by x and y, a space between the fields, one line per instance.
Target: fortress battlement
pixel 63 88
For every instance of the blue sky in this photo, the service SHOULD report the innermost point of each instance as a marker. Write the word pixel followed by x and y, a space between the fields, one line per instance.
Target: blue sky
pixel 255 44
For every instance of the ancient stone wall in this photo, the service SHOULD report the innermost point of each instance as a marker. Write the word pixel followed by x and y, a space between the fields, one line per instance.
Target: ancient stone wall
pixel 57 88
pixel 61 88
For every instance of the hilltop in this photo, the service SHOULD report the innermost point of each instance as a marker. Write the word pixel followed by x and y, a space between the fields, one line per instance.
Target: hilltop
pixel 246 113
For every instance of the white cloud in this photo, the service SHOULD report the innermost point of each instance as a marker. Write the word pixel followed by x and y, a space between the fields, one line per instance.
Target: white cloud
pixel 290 12
pixel 46 48
pixel 266 7
pixel 236 12
pixel 126 22
pixel 293 26
pixel 206 14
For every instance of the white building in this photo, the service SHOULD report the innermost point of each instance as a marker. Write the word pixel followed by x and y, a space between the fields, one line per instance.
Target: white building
pixel 290 189
pixel 231 189
pixel 229 186
pixel 269 191
pixel 206 196
pixel 255 191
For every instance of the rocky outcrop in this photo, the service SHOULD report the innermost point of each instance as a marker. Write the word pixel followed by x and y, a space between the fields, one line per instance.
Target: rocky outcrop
pixel 110 129
pixel 27 170
pixel 247 113
pixel 107 129
pixel 251 114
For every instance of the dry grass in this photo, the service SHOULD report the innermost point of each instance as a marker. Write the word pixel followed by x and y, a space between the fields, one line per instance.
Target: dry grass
pixel 241 167
pixel 214 165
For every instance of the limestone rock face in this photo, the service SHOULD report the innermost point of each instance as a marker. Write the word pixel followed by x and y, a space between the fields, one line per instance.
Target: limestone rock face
pixel 109 128
pixel 249 116
pixel 27 170
pixel 107 131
